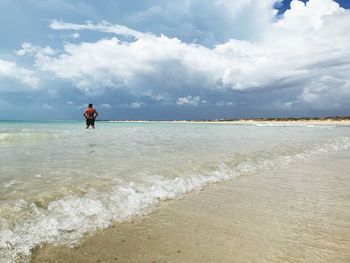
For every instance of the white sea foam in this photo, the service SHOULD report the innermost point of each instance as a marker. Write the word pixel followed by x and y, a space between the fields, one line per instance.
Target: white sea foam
pixel 25 136
pixel 3 136
pixel 66 220
pixel 10 183
pixel 12 137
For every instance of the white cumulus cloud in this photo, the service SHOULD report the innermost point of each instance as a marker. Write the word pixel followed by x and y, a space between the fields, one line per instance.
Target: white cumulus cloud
pixel 189 100
pixel 223 103
pixel 307 49
pixel 103 27
pixel 133 105
pixel 10 70
pixel 29 49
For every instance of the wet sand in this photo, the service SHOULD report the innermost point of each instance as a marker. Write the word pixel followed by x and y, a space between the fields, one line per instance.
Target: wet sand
pixel 295 213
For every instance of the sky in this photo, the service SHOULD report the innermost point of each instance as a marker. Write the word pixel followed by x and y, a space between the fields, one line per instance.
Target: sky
pixel 174 60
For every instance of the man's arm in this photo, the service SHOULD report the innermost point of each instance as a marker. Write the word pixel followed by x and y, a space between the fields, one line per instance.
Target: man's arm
pixel 84 114
pixel 96 114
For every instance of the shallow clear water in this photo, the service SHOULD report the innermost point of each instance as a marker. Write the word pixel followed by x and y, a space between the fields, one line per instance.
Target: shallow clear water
pixel 59 181
pixel 293 213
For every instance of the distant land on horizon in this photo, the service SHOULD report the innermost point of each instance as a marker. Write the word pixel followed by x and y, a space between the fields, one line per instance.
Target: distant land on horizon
pixel 328 118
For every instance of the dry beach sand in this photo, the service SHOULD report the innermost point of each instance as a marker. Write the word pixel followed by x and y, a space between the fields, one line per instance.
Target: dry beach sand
pixel 283 122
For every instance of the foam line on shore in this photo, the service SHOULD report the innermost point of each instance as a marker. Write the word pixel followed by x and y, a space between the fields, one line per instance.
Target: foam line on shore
pixel 66 220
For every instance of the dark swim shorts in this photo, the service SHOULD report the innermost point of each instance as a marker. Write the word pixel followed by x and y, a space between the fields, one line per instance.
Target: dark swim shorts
pixel 90 122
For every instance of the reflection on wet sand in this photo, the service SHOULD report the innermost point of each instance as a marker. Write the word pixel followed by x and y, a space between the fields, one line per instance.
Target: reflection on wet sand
pixel 297 213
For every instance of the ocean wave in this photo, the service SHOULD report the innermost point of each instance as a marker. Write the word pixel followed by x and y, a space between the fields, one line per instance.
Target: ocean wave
pixel 66 220
pixel 4 136
pixel 14 137
pixel 25 136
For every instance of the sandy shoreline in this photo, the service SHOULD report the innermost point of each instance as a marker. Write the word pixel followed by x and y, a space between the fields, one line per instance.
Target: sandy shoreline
pixel 297 213
pixel 301 122
pixel 240 122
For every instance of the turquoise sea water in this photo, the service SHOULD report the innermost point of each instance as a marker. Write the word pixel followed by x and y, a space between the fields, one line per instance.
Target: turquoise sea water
pixel 59 181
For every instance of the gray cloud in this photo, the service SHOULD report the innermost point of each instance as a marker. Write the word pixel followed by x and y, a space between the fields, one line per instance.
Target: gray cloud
pixel 299 63
pixel 291 54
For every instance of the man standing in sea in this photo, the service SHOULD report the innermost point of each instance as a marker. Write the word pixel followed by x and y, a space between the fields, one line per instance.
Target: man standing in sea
pixel 90 115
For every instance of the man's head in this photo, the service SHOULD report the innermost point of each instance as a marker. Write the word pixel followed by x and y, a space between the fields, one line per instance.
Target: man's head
pixel 90 105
